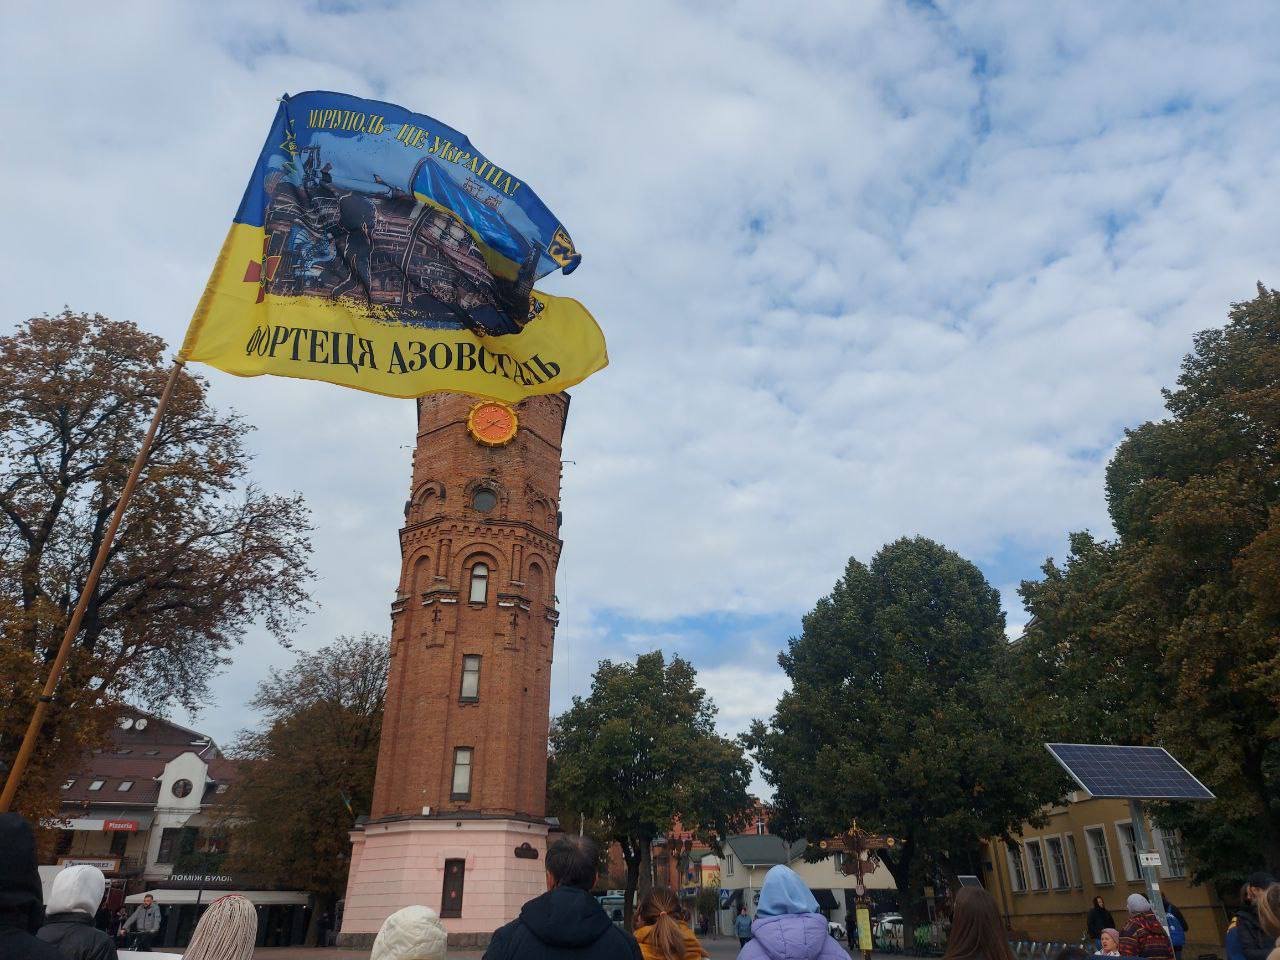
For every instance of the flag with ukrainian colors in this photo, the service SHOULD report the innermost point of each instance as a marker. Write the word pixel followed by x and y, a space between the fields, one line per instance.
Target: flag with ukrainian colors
pixel 378 249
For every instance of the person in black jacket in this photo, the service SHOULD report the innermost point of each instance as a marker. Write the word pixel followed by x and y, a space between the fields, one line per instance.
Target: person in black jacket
pixel 566 922
pixel 21 897
pixel 68 923
pixel 1099 919
pixel 1255 944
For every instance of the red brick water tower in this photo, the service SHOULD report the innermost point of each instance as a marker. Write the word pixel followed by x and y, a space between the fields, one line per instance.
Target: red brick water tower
pixel 459 802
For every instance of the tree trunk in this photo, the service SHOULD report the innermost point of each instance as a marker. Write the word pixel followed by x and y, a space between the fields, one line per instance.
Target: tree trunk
pixel 630 854
pixel 646 869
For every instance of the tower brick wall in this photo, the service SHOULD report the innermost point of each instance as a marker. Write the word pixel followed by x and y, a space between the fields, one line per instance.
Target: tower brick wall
pixel 436 622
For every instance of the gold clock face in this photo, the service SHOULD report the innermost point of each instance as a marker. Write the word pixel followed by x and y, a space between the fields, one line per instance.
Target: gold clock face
pixel 492 423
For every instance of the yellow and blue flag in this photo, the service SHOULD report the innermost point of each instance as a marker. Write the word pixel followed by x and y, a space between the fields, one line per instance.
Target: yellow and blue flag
pixel 377 248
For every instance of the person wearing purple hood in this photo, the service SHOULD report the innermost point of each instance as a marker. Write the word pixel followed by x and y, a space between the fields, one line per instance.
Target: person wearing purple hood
pixel 788 925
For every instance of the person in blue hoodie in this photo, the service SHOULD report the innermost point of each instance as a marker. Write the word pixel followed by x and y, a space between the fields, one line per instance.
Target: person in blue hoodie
pixel 788 925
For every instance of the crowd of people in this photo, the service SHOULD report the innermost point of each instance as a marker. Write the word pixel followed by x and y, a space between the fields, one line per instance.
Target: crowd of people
pixel 568 922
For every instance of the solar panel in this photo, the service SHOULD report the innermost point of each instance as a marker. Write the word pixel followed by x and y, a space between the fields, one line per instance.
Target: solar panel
pixel 1132 773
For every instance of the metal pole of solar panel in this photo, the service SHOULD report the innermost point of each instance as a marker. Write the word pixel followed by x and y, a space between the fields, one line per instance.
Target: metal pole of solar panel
pixel 1142 840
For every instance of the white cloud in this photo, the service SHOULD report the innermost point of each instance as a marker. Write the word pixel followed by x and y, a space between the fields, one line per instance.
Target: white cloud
pixel 878 270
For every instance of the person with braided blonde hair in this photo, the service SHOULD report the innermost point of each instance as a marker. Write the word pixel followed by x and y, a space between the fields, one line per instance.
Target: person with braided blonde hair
pixel 227 931
pixel 1268 902
pixel 661 930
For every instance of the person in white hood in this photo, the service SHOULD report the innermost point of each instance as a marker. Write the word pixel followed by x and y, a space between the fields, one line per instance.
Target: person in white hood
pixel 68 922
pixel 414 933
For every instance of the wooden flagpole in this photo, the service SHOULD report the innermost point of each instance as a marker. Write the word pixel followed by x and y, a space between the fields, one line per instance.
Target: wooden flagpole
pixel 90 584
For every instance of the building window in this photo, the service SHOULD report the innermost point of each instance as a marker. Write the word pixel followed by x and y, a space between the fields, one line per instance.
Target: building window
pixel 461 774
pixel 480 583
pixel 728 865
pixel 1017 869
pixel 759 828
pixel 181 788
pixel 68 784
pixel 65 837
pixel 451 900
pixel 1099 855
pixel 1058 863
pixel 1174 861
pixel 1129 850
pixel 125 785
pixel 1073 861
pixel 484 500
pixel 470 677
pixel 168 843
pixel 220 788
pixel 97 785
pixel 119 840
pixel 1039 876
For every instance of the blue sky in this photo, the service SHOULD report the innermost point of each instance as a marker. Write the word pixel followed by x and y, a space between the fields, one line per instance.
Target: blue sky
pixel 866 269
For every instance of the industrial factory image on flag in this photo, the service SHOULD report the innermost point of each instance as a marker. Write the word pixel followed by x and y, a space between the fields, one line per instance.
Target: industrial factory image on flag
pixel 378 249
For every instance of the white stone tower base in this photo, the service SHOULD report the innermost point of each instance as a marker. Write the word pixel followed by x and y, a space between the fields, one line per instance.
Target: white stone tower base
pixel 399 862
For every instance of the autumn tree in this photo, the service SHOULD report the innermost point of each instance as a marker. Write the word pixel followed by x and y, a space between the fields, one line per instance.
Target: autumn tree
pixel 1170 632
pixel 201 553
pixel 642 750
pixel 902 715
pixel 304 778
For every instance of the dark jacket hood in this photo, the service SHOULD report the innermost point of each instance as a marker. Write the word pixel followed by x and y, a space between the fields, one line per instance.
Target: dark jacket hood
pixel 566 917
pixel 21 897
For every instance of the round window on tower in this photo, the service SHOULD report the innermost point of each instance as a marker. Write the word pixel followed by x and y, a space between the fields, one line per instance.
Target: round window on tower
pixel 181 788
pixel 484 500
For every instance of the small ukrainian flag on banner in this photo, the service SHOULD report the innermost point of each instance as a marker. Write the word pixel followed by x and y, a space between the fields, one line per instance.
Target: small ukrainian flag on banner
pixel 378 249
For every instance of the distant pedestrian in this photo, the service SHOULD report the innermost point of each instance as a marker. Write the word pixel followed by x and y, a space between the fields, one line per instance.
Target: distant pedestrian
pixel 1110 946
pixel 977 932
pixel 1231 943
pixel 21 896
pixel 1177 932
pixel 414 933
pixel 566 922
pixel 1097 920
pixel 661 930
pixel 1269 913
pixel 1254 942
pixel 1143 936
pixel 227 931
pixel 146 921
pixel 742 927
pixel 69 915
pixel 788 925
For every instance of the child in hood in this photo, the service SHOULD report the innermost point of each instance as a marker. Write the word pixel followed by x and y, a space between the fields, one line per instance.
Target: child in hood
pixel 788 925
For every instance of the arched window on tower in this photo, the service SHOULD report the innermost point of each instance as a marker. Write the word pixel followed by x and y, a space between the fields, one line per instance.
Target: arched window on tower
pixel 480 583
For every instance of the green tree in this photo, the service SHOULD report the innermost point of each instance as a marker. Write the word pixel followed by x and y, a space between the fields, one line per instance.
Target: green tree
pixel 200 555
pixel 642 750
pixel 1170 633
pixel 305 778
pixel 902 714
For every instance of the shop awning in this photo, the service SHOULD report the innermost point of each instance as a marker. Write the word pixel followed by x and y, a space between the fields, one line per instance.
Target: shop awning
pixel 259 898
pixel 826 899
pixel 97 821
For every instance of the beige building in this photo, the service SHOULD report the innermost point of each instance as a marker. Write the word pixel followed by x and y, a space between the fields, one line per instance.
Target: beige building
pixel 1046 885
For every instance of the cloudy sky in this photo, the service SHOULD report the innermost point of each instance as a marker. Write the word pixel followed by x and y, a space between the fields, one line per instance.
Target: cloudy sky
pixel 866 269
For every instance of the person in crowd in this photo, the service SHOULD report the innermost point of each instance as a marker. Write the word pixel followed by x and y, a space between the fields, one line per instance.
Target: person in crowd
pixel 1253 940
pixel 69 915
pixel 414 933
pixel 1177 932
pixel 742 926
pixel 1231 943
pixel 117 926
pixel 566 921
pixel 661 930
pixel 1110 942
pixel 1098 919
pixel 146 921
pixel 21 896
pixel 977 932
pixel 1173 908
pixel 1143 936
pixel 788 925
pixel 1268 903
pixel 227 931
